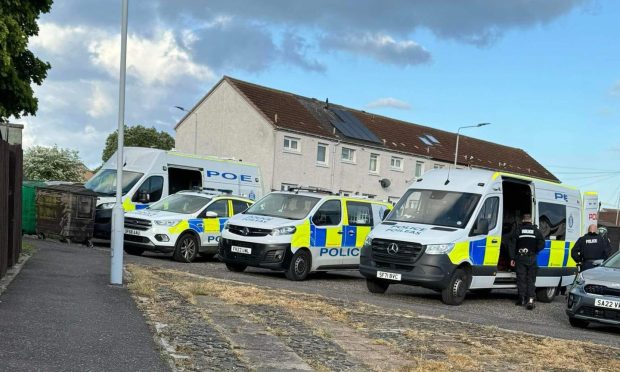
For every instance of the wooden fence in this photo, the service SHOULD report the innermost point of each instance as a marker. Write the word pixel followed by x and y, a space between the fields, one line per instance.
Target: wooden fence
pixel 11 177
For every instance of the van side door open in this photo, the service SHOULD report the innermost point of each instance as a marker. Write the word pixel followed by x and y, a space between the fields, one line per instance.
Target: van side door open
pixel 326 234
pixel 183 179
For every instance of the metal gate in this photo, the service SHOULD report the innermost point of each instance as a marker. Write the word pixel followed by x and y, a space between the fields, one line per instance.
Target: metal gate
pixel 11 177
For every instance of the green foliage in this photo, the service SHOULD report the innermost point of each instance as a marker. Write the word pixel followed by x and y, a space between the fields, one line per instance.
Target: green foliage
pixel 19 68
pixel 138 136
pixel 53 164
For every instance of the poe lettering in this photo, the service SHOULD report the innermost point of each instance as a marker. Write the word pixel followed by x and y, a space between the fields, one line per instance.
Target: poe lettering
pixel 228 176
pixel 561 196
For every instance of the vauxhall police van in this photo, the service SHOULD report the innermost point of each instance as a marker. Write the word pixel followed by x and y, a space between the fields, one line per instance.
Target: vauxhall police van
pixel 185 224
pixel 300 232
pixel 151 174
pixel 450 232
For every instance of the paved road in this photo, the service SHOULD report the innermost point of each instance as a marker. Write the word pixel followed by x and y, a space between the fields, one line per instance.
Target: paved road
pixel 495 309
pixel 60 314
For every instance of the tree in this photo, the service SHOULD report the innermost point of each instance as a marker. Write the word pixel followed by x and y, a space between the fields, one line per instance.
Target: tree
pixel 138 136
pixel 53 164
pixel 19 68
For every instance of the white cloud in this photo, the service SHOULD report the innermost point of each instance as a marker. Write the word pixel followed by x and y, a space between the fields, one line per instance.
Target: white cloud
pixel 389 102
pixel 100 102
pixel 381 47
pixel 158 60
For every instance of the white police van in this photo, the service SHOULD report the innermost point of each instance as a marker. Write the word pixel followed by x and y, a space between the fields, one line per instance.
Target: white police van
pixel 300 232
pixel 152 174
pixel 449 232
pixel 185 224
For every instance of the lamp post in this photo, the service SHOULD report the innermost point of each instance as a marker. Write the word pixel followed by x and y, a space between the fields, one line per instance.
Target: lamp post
pixel 456 151
pixel 118 217
pixel 195 126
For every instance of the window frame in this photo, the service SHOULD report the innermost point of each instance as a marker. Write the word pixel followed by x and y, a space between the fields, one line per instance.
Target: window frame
pixel 400 167
pixel 203 214
pixel 540 214
pixel 290 140
pixel 377 163
pixel 326 147
pixel 149 179
pixel 495 216
pixel 419 165
pixel 234 211
pixel 357 205
pixel 351 151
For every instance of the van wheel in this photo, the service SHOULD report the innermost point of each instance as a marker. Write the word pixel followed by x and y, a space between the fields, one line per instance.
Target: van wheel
pixel 186 248
pixel 375 286
pixel 578 323
pixel 134 251
pixel 300 265
pixel 236 268
pixel 546 294
pixel 454 294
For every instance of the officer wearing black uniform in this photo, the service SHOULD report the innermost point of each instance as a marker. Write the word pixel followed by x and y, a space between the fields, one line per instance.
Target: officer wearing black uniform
pixel 589 248
pixel 526 243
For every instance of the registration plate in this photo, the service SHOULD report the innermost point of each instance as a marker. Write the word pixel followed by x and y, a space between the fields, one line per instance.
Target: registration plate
pixel 389 276
pixel 599 302
pixel 132 232
pixel 243 250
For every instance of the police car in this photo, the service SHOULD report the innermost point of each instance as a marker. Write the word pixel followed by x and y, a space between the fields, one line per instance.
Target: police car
pixel 185 224
pixel 595 295
pixel 300 232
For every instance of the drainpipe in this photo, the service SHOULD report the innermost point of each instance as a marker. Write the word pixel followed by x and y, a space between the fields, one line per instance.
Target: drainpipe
pixel 273 164
pixel 334 164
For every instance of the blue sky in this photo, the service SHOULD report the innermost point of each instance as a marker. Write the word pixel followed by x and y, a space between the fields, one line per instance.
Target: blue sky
pixel 544 73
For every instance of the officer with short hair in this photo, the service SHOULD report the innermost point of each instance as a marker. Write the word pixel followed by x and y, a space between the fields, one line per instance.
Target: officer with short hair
pixel 527 241
pixel 589 248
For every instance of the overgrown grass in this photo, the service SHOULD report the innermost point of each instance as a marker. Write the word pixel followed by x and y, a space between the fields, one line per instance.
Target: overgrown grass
pixel 28 248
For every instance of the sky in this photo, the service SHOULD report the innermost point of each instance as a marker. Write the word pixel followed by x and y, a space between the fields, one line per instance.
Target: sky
pixel 544 73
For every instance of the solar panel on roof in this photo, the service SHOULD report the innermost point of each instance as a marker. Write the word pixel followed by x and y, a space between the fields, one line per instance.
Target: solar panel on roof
pixel 432 139
pixel 426 141
pixel 352 127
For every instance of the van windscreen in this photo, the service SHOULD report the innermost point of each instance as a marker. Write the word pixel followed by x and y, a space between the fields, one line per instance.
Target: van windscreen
pixel 435 207
pixel 289 206
pixel 104 183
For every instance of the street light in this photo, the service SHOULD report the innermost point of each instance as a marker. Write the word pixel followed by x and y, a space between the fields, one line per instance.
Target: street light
pixel 456 151
pixel 195 126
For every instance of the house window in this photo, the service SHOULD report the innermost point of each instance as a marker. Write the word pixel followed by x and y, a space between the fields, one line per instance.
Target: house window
pixel 373 166
pixel 396 163
pixel 419 168
pixel 438 166
pixel 348 155
pixel 292 144
pixel 321 154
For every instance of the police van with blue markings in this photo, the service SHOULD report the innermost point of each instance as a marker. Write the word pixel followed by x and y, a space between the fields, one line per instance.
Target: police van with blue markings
pixel 186 224
pixel 300 232
pixel 151 174
pixel 450 232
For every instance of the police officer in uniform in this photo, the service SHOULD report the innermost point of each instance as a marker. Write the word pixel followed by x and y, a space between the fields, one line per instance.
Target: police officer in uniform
pixel 589 248
pixel 526 243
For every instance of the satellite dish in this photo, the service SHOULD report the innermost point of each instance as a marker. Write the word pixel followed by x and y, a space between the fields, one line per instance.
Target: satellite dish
pixel 385 183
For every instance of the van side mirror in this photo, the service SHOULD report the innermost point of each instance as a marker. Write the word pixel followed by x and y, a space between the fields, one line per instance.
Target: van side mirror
pixel 385 214
pixel 144 197
pixel 211 214
pixel 482 227
pixel 597 262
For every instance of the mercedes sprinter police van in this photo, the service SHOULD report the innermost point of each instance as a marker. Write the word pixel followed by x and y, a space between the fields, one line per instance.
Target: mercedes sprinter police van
pixel 152 174
pixel 449 232
pixel 300 232
pixel 185 224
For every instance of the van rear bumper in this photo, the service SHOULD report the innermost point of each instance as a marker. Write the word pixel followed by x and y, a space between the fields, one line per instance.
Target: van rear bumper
pixel 429 271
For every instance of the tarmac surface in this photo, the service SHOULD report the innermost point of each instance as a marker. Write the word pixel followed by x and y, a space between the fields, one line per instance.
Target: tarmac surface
pixel 494 309
pixel 60 314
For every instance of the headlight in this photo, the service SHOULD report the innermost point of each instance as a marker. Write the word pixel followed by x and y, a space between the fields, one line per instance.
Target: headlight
pixel 167 222
pixel 106 205
pixel 439 248
pixel 580 280
pixel 285 230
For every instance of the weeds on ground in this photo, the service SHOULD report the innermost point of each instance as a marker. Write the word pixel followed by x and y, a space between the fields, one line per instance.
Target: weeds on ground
pixel 28 248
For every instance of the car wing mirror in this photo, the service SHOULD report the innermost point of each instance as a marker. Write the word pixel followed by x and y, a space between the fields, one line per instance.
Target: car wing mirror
pixel 211 214
pixel 597 262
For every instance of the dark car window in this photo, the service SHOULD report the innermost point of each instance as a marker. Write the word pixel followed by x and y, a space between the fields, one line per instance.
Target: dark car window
pixel 329 214
pixel 152 186
pixel 220 207
pixel 239 206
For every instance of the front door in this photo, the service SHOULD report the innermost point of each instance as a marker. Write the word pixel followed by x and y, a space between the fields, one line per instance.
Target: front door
pixel 326 234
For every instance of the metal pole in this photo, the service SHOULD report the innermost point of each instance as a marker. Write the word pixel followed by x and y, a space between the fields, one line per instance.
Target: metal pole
pixel 618 210
pixel 116 264
pixel 456 151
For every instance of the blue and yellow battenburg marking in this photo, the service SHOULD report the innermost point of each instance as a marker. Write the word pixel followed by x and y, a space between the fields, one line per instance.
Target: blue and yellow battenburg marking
pixel 200 225
pixel 129 206
pixel 330 239
pixel 485 252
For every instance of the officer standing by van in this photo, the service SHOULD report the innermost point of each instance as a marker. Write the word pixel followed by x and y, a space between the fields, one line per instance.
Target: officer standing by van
pixel 526 243
pixel 589 248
